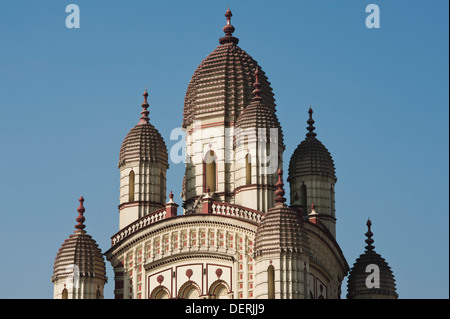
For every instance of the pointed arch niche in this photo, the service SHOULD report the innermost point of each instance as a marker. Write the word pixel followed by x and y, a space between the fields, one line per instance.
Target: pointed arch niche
pixel 209 171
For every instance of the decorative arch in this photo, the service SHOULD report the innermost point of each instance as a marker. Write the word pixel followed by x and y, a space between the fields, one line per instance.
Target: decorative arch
pixel 219 290
pixel 189 290
pixel 248 169
pixel 271 282
pixel 131 186
pixel 209 171
pixel 65 294
pixel 303 198
pixel 162 188
pixel 160 292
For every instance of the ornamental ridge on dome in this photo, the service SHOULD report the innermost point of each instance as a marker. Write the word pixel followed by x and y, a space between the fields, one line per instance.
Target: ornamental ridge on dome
pixel 369 234
pixel 228 29
pixel 280 199
pixel 144 114
pixel 257 91
pixel 80 219
pixel 311 122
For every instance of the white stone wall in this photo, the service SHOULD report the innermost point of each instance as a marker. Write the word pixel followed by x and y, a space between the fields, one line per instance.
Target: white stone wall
pixel 321 190
pixel 147 189
pixel 260 194
pixel 81 288
pixel 199 141
pixel 203 244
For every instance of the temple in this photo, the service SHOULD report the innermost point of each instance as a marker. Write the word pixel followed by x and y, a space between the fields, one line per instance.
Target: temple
pixel 234 234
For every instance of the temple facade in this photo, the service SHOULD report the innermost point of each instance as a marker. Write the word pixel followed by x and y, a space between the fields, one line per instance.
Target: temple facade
pixel 233 235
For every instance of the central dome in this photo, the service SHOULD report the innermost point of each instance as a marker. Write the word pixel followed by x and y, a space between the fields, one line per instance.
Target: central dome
pixel 222 85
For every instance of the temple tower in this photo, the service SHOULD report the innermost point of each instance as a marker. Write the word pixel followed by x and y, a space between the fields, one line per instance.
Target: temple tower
pixel 143 164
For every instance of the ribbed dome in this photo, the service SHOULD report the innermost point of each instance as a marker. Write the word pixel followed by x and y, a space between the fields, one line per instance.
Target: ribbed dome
pixel 79 249
pixel 222 85
pixel 356 284
pixel 258 114
pixel 143 142
pixel 280 229
pixel 311 157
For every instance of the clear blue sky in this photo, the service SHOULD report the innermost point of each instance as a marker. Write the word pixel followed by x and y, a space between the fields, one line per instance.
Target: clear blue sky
pixel 68 97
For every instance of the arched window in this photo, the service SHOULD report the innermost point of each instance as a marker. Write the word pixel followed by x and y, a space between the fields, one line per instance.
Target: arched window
pixel 271 282
pixel 189 290
pixel 210 171
pixel 192 293
pixel 332 200
pixel 162 188
pixel 131 186
pixel 303 199
pixel 221 292
pixel 98 295
pixel 248 170
pixel 162 294
pixel 65 294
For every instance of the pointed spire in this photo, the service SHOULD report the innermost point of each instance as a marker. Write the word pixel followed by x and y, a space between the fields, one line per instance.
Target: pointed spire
pixel 369 234
pixel 80 219
pixel 228 29
pixel 144 114
pixel 313 207
pixel 257 91
pixel 280 189
pixel 311 122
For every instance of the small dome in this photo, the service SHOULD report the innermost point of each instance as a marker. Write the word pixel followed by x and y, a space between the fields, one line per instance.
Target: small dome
pixel 258 115
pixel 356 284
pixel 280 229
pixel 311 157
pixel 143 142
pixel 79 250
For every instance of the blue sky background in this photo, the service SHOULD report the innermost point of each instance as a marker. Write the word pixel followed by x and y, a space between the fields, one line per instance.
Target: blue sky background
pixel 380 96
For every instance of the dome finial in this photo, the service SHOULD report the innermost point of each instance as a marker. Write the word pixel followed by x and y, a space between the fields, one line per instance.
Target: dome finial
pixel 369 234
pixel 311 122
pixel 144 114
pixel 257 91
pixel 280 189
pixel 228 29
pixel 80 219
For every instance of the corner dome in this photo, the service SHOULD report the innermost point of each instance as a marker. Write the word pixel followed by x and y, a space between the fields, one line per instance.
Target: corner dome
pixel 79 249
pixel 222 84
pixel 258 115
pixel 311 157
pixel 280 229
pixel 143 142
pixel 356 284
